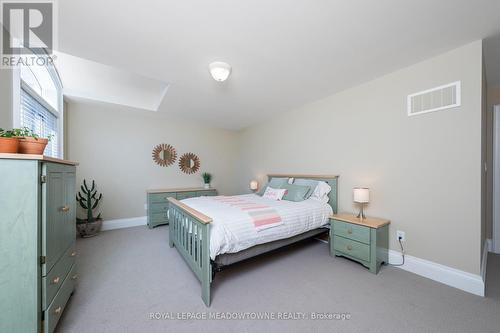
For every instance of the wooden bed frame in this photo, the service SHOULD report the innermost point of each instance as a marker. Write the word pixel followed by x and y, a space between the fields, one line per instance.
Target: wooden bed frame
pixel 189 232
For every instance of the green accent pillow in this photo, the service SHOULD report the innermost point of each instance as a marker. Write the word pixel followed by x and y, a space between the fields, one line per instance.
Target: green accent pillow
pixel 295 192
pixel 307 182
pixel 274 183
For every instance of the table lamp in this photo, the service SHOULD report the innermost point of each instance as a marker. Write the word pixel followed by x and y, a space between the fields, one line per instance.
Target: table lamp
pixel 254 185
pixel 362 196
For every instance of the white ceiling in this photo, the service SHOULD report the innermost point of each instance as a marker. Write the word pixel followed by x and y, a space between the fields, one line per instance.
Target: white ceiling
pixel 284 53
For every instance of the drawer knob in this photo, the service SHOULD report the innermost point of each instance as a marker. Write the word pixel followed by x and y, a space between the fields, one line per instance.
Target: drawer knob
pixel 65 209
pixel 58 310
pixel 73 254
pixel 349 247
pixel 74 277
pixel 56 280
pixel 349 231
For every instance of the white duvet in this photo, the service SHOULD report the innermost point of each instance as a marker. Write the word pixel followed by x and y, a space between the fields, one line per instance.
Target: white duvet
pixel 232 230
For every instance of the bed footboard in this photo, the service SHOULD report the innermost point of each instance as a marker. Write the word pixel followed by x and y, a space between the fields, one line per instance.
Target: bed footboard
pixel 189 233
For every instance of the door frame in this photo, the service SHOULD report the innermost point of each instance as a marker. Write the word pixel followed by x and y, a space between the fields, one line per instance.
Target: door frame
pixel 496 182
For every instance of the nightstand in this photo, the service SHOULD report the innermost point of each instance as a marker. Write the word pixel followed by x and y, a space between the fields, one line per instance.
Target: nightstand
pixel 365 241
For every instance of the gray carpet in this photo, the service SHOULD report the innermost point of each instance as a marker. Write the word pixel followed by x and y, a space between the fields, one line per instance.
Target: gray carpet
pixel 127 274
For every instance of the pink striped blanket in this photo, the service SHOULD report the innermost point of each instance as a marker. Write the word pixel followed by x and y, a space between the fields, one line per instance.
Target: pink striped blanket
pixel 262 216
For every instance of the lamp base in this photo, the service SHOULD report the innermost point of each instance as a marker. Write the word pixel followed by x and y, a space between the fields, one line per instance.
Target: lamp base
pixel 361 214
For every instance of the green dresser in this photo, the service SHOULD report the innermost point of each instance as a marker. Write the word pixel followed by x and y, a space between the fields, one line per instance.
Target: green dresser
pixel 158 203
pixel 37 241
pixel 365 241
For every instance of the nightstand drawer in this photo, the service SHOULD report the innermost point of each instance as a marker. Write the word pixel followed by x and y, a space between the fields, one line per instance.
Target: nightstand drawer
pixel 352 231
pixel 352 248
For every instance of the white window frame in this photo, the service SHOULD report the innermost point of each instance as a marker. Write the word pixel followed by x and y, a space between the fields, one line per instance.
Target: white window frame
pixel 19 84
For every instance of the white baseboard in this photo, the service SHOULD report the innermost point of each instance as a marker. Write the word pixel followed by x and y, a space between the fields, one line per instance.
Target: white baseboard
pixel 123 223
pixel 468 282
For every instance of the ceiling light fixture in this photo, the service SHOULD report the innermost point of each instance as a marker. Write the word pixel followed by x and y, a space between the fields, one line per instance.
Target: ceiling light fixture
pixel 220 70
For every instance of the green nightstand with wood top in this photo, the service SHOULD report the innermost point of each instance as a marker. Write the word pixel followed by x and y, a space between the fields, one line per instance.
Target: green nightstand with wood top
pixel 363 240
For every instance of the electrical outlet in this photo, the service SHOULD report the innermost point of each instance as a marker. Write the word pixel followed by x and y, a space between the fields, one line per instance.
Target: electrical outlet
pixel 401 235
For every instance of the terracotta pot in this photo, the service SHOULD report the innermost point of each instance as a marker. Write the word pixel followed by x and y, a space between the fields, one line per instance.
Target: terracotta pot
pixel 9 145
pixel 29 145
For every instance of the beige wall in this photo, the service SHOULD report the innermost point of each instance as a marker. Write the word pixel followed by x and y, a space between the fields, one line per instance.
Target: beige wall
pixel 424 171
pixel 113 145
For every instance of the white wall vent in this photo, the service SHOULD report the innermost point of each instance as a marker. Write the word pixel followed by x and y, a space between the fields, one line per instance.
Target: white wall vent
pixel 435 99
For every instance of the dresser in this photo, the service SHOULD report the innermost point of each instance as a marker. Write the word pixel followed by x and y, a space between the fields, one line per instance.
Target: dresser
pixel 158 203
pixel 37 241
pixel 365 241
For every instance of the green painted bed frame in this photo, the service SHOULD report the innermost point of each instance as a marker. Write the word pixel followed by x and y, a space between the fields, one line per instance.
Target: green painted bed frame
pixel 189 232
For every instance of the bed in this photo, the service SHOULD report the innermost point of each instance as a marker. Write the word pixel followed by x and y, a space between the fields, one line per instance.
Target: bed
pixel 211 233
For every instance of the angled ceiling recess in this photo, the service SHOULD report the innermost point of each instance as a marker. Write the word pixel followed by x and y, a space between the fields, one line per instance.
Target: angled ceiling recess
pixel 91 80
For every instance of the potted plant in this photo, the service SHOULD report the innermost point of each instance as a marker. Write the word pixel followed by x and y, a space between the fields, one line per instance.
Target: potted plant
pixel 29 142
pixel 207 178
pixel 89 201
pixel 8 141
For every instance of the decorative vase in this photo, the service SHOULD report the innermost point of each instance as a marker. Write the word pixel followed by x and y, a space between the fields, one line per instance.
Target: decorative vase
pixel 30 145
pixel 88 229
pixel 9 145
pixel 207 186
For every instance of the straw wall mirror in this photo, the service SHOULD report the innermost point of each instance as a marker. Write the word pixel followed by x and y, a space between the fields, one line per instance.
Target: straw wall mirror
pixel 189 163
pixel 164 154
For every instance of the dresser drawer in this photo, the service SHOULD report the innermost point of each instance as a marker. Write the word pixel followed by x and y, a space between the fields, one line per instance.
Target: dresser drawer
pixel 54 279
pixel 158 207
pixel 352 248
pixel 158 218
pixel 352 231
pixel 56 308
pixel 185 195
pixel 160 197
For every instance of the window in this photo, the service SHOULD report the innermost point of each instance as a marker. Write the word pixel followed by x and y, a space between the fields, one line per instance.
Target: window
pixel 40 107
pixel 40 120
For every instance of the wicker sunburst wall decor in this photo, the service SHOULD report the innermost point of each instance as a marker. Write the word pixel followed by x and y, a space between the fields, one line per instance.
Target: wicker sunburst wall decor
pixel 164 154
pixel 189 163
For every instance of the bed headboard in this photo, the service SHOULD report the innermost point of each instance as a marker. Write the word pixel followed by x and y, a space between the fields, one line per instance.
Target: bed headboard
pixel 331 180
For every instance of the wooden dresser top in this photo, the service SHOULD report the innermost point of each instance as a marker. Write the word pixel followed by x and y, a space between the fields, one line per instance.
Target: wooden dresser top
pixel 35 157
pixel 185 189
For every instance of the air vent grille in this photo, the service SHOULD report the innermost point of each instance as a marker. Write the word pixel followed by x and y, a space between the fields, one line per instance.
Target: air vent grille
pixel 435 99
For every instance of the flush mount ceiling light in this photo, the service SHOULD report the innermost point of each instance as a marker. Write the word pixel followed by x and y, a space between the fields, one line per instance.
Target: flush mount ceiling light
pixel 220 70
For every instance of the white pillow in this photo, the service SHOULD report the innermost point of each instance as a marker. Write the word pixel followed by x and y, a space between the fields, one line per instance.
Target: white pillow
pixel 321 192
pixel 274 193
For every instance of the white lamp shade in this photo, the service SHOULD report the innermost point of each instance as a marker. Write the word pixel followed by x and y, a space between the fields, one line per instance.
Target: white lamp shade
pixel 254 185
pixel 361 195
pixel 220 70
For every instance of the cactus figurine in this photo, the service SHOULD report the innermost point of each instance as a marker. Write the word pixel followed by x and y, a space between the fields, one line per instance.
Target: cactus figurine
pixel 89 201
